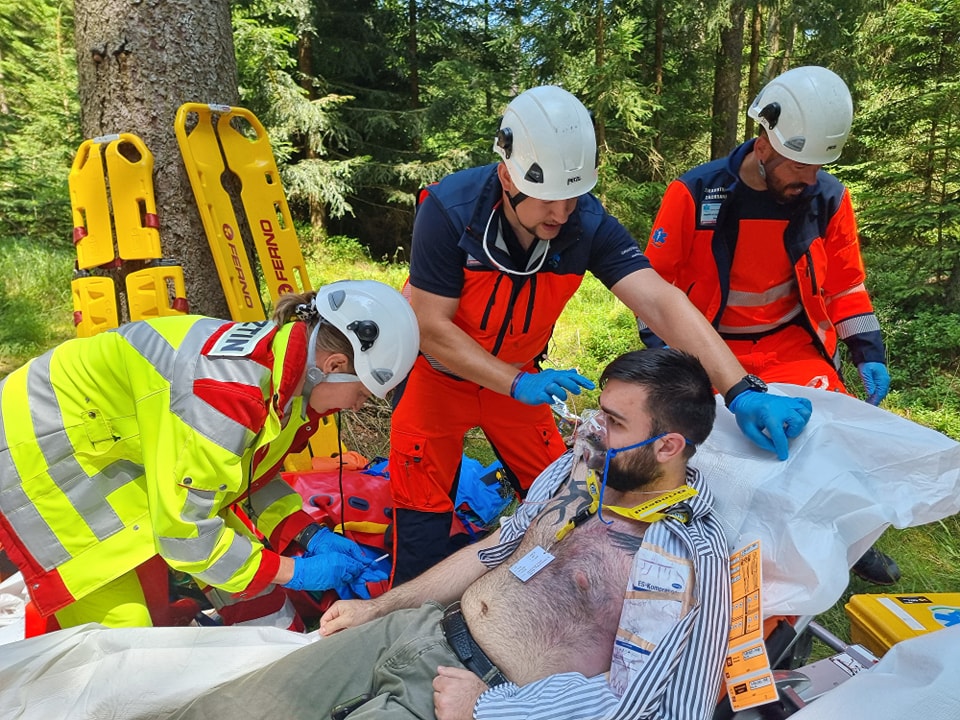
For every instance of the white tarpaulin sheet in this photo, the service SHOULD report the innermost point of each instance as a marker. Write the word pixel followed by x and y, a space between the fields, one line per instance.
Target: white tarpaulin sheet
pixel 90 672
pixel 917 678
pixel 854 471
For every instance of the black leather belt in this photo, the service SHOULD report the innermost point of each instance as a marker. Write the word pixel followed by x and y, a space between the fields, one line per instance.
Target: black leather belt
pixel 458 635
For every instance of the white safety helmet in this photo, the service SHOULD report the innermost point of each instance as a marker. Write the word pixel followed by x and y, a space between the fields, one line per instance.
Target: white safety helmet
pixel 547 140
pixel 807 113
pixel 381 327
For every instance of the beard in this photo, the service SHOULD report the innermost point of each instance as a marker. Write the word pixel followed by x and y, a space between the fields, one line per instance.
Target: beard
pixel 783 193
pixel 633 470
pixel 786 194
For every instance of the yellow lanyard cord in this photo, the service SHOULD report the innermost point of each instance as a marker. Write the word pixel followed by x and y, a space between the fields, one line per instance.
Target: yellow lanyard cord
pixel 649 511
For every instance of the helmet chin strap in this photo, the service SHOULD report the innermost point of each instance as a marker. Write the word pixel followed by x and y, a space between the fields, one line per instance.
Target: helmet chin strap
pixel 315 375
pixel 516 199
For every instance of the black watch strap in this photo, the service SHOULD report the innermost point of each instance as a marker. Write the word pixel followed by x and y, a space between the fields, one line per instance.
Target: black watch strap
pixel 304 537
pixel 747 382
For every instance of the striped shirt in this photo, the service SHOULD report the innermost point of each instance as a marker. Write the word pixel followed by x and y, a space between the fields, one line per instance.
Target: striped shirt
pixel 666 670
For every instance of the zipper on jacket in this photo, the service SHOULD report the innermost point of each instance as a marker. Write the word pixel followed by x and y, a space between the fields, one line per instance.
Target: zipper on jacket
pixel 533 294
pixel 515 289
pixel 491 301
pixel 812 272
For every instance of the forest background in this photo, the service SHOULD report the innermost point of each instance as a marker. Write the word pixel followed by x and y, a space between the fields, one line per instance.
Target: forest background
pixel 368 100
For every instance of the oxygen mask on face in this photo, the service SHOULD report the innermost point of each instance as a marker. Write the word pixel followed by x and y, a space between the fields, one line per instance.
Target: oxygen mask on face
pixel 590 439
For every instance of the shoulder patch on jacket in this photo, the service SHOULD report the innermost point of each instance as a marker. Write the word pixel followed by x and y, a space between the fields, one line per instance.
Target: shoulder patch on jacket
pixel 242 339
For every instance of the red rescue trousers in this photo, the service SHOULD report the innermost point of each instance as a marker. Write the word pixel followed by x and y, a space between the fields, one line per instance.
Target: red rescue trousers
pixel 787 356
pixel 426 446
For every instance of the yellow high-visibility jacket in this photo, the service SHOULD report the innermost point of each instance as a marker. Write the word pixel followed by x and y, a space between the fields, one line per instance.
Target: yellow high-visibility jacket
pixel 135 442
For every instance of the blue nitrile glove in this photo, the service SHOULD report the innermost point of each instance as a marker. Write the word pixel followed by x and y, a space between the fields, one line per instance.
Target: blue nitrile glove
pixel 357 587
pixel 330 560
pixel 782 417
pixel 547 386
pixel 322 572
pixel 876 381
pixel 325 541
pixel 376 571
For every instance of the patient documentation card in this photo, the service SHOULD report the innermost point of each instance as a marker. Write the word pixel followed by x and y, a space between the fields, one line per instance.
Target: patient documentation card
pixel 531 563
pixel 747 671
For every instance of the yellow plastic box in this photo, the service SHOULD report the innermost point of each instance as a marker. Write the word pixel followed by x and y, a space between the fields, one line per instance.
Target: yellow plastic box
pixel 878 622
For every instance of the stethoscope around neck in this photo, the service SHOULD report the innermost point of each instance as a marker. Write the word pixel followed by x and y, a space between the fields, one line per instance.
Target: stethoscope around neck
pixel 501 268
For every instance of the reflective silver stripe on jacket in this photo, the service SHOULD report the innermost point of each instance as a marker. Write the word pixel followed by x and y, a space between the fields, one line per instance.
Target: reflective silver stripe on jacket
pixel 763 327
pixel 197 510
pixel 87 494
pixel 180 368
pixel 857 325
pixel 199 505
pixel 228 564
pixel 268 494
pixel 861 288
pixel 20 512
pixel 743 298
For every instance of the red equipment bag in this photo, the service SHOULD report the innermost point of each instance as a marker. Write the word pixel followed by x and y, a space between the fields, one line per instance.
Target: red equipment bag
pixel 366 512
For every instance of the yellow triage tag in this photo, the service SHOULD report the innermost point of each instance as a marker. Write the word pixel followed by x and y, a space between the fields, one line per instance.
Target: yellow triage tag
pixel 747 670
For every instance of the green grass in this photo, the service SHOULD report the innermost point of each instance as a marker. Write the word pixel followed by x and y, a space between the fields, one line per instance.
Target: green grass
pixel 36 314
pixel 36 310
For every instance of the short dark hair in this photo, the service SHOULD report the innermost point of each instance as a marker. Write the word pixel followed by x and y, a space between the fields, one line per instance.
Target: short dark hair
pixel 679 393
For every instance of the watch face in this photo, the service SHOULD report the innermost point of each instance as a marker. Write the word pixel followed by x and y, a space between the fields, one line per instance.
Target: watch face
pixel 756 383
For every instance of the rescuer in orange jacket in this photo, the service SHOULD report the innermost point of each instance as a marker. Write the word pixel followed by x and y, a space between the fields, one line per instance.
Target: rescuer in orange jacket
pixel 124 453
pixel 764 243
pixel 497 252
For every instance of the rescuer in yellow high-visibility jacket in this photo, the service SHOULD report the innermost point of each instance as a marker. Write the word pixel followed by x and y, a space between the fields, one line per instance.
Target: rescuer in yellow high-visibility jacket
pixel 134 444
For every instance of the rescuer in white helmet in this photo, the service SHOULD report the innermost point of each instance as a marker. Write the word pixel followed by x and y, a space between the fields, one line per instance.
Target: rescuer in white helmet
pixel 126 454
pixel 497 252
pixel 765 243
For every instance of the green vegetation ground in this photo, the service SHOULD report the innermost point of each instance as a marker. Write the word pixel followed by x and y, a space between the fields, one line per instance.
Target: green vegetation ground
pixel 36 314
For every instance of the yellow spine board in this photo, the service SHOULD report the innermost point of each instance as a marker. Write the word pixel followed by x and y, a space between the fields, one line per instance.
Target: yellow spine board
pixel 156 292
pixel 94 305
pixel 203 145
pixel 204 164
pixel 92 230
pixel 250 156
pixel 131 193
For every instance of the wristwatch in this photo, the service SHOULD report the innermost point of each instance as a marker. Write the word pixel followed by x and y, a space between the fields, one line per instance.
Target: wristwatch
pixel 304 537
pixel 748 382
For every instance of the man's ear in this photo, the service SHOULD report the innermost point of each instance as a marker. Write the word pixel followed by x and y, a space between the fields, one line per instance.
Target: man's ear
pixel 505 179
pixel 671 445
pixel 335 362
pixel 762 147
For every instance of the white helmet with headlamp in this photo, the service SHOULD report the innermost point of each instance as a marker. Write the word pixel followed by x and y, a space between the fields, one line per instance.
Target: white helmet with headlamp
pixel 807 113
pixel 381 327
pixel 548 143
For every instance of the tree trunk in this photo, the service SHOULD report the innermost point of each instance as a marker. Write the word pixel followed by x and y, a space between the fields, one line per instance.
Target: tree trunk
pixel 660 22
pixel 137 63
pixel 4 108
pixel 753 81
pixel 318 211
pixel 598 60
pixel 772 67
pixel 726 84
pixel 413 50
